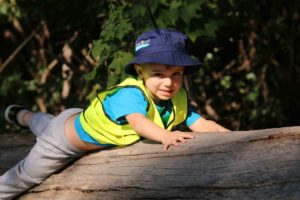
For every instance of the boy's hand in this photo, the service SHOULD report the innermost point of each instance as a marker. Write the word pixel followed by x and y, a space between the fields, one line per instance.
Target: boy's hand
pixel 174 138
pixel 204 125
pixel 147 129
pixel 221 128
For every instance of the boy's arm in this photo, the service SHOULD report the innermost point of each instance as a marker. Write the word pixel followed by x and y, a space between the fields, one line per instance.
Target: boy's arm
pixel 204 125
pixel 146 128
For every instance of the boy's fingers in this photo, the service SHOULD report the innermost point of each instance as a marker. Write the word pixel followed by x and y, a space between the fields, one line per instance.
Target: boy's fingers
pixel 223 129
pixel 166 146
pixel 187 135
pixel 181 139
pixel 175 143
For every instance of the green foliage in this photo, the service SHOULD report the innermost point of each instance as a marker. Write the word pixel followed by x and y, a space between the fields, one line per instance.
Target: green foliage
pixel 249 77
pixel 212 23
pixel 9 83
pixel 116 67
pixel 9 10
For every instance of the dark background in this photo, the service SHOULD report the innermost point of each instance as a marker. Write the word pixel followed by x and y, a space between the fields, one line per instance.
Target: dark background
pixel 67 51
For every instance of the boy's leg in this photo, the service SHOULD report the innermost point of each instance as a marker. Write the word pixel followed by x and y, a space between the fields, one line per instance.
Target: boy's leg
pixel 19 115
pixel 38 122
pixel 42 161
pixel 51 152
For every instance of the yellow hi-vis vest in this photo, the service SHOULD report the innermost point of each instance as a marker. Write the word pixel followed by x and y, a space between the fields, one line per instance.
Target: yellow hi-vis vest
pixel 99 126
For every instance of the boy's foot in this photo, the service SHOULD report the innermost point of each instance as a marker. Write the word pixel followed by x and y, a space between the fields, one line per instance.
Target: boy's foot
pixel 11 115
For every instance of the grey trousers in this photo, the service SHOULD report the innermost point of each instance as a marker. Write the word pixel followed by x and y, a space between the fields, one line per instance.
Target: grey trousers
pixel 51 152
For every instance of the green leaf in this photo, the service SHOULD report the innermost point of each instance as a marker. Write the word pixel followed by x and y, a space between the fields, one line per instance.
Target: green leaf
pixel 100 50
pixel 116 67
pixel 120 59
pixel 96 49
pixel 252 96
pixel 194 34
pixel 169 17
pixel 4 9
pixel 91 75
pixel 226 82
pixel 94 91
pixel 231 2
pixel 160 22
pixel 210 28
pixel 123 28
pixel 175 4
pixel 189 11
pixel 138 10
pixel 164 2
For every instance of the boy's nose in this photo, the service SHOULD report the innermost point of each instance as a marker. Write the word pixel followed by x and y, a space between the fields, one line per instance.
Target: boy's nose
pixel 168 81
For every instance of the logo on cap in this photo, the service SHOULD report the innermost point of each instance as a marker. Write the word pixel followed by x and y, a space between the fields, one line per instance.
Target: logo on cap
pixel 142 44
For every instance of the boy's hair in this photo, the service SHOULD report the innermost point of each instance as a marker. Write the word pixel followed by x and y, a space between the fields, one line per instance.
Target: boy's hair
pixel 163 46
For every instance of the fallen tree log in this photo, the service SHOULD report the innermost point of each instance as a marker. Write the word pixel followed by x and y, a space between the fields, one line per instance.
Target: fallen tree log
pixel 259 164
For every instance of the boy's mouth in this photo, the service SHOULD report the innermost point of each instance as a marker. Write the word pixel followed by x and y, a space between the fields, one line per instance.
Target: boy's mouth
pixel 166 92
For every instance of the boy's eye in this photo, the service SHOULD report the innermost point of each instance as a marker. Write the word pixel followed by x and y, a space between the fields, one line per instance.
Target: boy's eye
pixel 177 73
pixel 162 75
pixel 158 74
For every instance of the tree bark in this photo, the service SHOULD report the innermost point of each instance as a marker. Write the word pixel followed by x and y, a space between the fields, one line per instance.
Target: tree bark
pixel 259 164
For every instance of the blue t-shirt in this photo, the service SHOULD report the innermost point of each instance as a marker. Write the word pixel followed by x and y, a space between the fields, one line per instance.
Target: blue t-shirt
pixel 132 100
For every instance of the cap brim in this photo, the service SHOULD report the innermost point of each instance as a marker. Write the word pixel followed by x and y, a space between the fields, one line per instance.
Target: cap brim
pixel 168 58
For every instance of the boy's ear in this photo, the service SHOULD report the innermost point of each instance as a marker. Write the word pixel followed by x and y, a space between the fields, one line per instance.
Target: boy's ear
pixel 138 69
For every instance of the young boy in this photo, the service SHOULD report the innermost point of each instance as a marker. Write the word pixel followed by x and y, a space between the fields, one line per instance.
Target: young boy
pixel 147 104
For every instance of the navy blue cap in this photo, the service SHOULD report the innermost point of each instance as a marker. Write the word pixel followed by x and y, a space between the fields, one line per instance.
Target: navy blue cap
pixel 163 46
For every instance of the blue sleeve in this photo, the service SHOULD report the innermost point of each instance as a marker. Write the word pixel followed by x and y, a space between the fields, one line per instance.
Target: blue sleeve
pixel 123 102
pixel 192 116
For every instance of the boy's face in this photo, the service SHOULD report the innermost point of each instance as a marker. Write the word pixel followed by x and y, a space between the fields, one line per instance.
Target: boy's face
pixel 161 81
